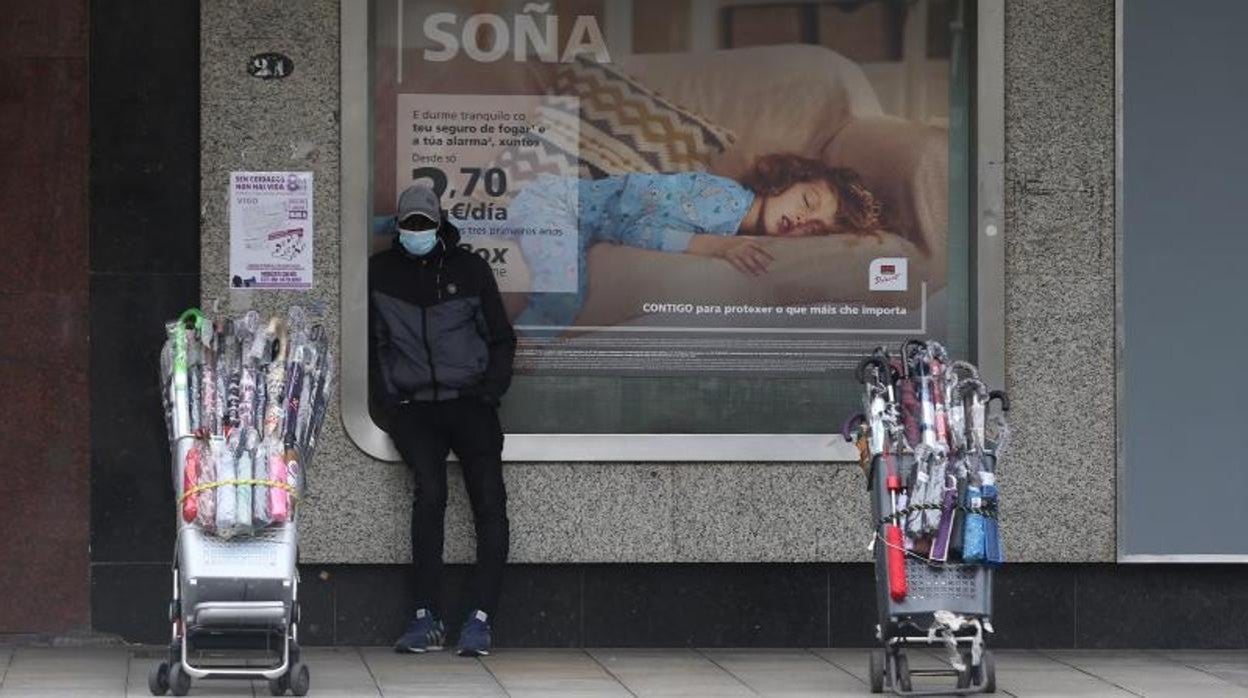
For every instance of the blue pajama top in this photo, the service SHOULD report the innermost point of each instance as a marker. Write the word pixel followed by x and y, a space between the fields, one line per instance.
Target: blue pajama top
pixel 651 211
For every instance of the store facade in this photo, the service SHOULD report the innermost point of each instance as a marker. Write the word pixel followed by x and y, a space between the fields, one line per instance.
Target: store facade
pixel 674 467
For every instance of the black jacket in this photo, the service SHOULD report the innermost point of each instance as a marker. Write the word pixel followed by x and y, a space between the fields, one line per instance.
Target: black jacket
pixel 437 325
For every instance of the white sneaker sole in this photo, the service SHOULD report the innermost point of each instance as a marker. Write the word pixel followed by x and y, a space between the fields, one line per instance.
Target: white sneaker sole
pixel 420 650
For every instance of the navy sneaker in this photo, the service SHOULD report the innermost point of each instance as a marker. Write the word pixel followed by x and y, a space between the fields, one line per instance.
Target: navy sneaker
pixel 474 637
pixel 424 633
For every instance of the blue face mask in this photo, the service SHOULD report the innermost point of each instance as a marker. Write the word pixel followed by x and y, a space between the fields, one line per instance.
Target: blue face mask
pixel 418 242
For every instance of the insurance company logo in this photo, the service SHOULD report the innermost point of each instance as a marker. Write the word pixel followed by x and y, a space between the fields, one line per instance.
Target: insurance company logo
pixel 535 33
pixel 888 274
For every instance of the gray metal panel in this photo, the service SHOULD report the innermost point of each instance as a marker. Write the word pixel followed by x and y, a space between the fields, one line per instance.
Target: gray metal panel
pixel 989 231
pixel 1182 241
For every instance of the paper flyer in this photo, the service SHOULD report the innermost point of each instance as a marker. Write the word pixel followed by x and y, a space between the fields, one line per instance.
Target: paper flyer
pixel 271 227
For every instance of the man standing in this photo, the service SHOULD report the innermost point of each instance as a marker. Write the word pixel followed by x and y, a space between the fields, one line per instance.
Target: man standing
pixel 443 350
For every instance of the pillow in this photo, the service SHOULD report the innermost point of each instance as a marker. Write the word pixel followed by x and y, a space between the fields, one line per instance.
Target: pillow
pixel 627 127
pixel 620 127
pixel 777 99
pixel 553 153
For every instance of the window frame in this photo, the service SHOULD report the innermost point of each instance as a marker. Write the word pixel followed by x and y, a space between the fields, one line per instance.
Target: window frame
pixel 988 289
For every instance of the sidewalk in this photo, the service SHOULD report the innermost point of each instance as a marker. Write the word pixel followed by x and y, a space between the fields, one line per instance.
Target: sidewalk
pixel 374 671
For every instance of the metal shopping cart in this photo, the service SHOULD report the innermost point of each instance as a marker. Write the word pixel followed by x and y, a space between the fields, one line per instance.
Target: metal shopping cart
pixel 964 590
pixel 234 611
pixel 931 473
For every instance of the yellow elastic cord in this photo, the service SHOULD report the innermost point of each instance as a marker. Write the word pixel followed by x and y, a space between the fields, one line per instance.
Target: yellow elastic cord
pixel 213 485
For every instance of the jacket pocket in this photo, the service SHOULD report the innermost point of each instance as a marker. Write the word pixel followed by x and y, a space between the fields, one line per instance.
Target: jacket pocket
pixel 460 354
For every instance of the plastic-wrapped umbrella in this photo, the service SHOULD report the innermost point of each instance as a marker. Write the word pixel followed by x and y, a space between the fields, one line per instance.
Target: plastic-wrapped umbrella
pixel 180 382
pixel 207 515
pixel 275 382
pixel 880 387
pixel 993 553
pixel 208 382
pixel 245 331
pixel 223 451
pixel 190 478
pixel 910 409
pixel 877 399
pixel 973 539
pixel 260 493
pixel 166 379
pixel 313 357
pixel 915 355
pixel 928 488
pixel 177 397
pixel 269 468
pixel 318 370
pixel 941 544
pixel 195 366
pixel 222 376
pixel 955 373
pixel 325 388
pixel 284 463
pixel 177 358
pixel 246 471
pixel 955 466
pixel 233 375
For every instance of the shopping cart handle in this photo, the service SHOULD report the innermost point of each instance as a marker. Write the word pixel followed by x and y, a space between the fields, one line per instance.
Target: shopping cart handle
pixel 1002 397
pixel 861 372
pixel 906 355
pixel 851 425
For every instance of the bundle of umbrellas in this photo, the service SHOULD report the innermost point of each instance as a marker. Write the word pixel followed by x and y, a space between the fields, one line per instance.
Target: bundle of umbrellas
pixel 251 396
pixel 926 424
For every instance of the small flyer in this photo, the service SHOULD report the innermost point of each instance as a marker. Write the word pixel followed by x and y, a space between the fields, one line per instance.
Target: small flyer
pixel 271 226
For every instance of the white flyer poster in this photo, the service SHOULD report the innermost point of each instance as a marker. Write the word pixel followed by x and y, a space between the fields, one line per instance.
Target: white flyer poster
pixel 505 168
pixel 271 226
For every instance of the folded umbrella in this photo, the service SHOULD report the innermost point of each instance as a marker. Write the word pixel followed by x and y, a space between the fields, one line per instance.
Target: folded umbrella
pixel 882 420
pixel 246 473
pixel 993 553
pixel 973 538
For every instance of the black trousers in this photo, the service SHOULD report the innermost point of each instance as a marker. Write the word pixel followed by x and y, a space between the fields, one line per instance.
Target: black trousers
pixel 424 433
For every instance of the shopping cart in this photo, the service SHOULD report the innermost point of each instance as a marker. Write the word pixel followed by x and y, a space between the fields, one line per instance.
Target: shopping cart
pixel 931 473
pixel 234 611
pixel 931 588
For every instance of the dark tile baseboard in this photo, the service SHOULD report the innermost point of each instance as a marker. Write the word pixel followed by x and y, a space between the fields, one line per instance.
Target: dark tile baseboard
pixel 729 605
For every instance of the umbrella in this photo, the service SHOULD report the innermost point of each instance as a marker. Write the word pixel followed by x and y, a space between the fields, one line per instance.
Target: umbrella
pixel 880 387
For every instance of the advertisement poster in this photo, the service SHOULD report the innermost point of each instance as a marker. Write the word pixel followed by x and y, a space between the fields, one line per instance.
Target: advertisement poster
pixel 467 148
pixel 271 224
pixel 717 218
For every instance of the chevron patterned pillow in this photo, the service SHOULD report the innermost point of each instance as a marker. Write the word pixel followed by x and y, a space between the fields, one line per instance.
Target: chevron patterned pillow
pixel 627 127
pixel 621 127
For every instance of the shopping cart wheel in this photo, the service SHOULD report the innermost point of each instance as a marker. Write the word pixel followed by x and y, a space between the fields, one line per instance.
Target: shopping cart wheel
pixel 179 680
pixel 279 686
pixel 158 679
pixel 300 679
pixel 986 672
pixel 964 676
pixel 876 670
pixel 902 666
